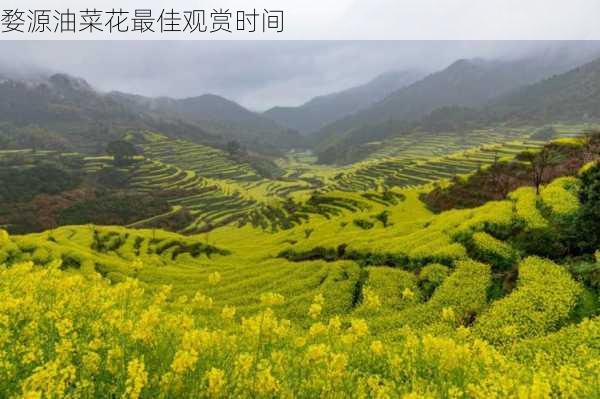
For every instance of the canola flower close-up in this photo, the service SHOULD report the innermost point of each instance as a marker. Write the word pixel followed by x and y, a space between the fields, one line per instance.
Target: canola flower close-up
pixel 66 335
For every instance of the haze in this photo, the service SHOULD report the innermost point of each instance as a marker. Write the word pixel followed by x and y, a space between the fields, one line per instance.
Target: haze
pixel 257 74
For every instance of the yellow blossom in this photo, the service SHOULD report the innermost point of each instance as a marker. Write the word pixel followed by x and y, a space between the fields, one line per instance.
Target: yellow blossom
pixel 408 294
pixel 319 298
pixel 337 364
pixel 371 299
pixel 202 301
pixel 316 352
pixel 266 384
pixel 359 327
pixel 317 329
pixel 137 377
pixel 228 312
pixel 335 323
pixel 271 299
pixel 315 310
pixel 216 381
pixel 214 278
pixel 184 361
pixel 377 347
pixel 299 342
pixel 243 364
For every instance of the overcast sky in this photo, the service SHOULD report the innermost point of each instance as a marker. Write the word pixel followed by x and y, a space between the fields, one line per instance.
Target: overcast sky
pixel 257 74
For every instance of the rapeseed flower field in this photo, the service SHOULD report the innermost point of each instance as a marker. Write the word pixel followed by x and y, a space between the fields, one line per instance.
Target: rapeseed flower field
pixel 444 306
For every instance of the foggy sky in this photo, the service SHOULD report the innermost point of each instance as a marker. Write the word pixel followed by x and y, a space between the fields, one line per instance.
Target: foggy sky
pixel 257 74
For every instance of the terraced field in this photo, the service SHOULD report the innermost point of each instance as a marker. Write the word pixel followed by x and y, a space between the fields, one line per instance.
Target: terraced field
pixel 419 158
pixel 204 161
pixel 418 303
pixel 218 191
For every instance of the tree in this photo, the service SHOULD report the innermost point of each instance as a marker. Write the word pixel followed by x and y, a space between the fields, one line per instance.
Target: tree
pixel 589 218
pixel 122 151
pixel 233 147
pixel 539 162
pixel 591 145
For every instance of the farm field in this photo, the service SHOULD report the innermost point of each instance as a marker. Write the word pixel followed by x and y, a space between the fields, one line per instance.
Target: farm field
pixel 323 282
pixel 322 309
pixel 219 191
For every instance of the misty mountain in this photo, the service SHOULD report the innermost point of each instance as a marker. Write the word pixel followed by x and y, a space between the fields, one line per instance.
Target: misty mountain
pixel 217 115
pixel 320 111
pixel 66 112
pixel 573 96
pixel 464 85
pixel 60 112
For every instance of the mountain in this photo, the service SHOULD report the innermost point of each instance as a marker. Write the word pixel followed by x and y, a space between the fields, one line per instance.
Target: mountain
pixel 320 111
pixel 59 112
pixel 217 115
pixel 573 96
pixel 442 99
pixel 67 113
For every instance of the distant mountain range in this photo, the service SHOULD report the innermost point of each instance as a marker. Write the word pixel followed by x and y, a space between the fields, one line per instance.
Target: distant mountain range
pixel 449 98
pixel 67 112
pixel 218 116
pixel 320 111
pixel 61 111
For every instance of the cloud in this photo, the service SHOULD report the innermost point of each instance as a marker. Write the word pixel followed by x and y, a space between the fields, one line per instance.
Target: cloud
pixel 258 74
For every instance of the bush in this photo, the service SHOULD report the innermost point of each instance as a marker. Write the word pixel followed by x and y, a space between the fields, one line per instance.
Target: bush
pixel 363 224
pixel 391 284
pixel 588 220
pixel 526 208
pixel 560 197
pixel 545 295
pixel 431 277
pixel 491 250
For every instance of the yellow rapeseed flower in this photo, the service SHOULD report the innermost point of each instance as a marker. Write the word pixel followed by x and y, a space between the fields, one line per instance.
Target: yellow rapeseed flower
pixel 317 329
pixel 271 299
pixel 266 384
pixel 228 312
pixel 184 361
pixel 377 347
pixel 359 327
pixel 216 381
pixel 371 299
pixel 315 310
pixel 137 377
pixel 202 301
pixel 408 294
pixel 214 278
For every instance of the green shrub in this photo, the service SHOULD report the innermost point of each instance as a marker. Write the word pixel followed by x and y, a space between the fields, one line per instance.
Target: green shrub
pixel 587 232
pixel 390 284
pixel 431 277
pixel 491 250
pixel 545 295
pixel 363 224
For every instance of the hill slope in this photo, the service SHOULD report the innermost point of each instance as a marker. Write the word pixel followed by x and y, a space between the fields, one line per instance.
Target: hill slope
pixel 217 115
pixel 322 110
pixel 465 83
pixel 467 304
pixel 66 112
